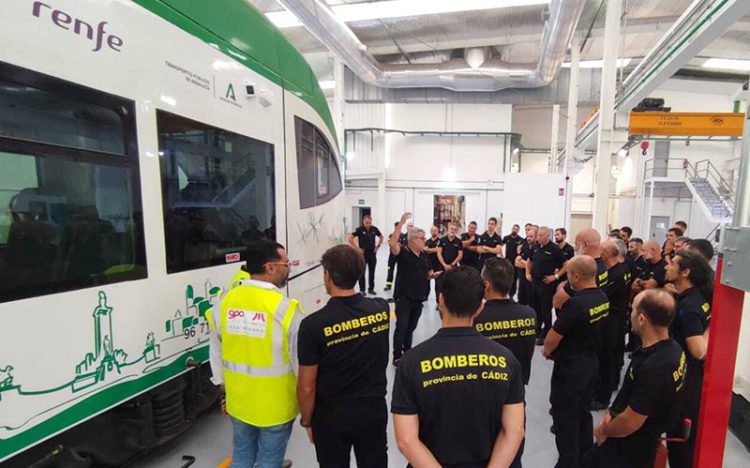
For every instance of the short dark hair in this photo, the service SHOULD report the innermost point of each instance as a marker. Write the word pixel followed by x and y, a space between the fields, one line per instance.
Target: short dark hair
pixel 682 224
pixel 516 225
pixel 615 231
pixel 703 247
pixel 395 224
pixel 500 273
pixel 463 291
pixel 627 230
pixel 637 240
pixel 677 231
pixel 473 222
pixel 562 230
pixel 344 265
pixel 527 225
pixel 258 253
pixel 493 219
pixel 658 305
pixel 366 217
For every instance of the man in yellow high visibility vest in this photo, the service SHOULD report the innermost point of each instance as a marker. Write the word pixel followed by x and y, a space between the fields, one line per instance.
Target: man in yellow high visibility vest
pixel 254 355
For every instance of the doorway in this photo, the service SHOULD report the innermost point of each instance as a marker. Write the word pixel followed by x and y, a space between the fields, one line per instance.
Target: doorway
pixel 359 212
pixel 658 229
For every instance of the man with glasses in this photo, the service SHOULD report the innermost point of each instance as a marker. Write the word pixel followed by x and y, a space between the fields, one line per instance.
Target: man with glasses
pixel 412 284
pixel 254 357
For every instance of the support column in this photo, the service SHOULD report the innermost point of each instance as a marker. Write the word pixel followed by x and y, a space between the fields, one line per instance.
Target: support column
pixel 553 139
pixel 570 128
pixel 604 149
pixel 339 75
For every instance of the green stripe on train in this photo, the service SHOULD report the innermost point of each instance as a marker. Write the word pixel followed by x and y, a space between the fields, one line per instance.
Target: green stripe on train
pixel 244 34
pixel 97 403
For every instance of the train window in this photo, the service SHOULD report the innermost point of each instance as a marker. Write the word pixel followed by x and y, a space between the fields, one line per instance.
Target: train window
pixel 218 192
pixel 318 173
pixel 70 208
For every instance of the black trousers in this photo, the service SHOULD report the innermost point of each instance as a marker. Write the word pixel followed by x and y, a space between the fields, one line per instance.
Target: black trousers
pixel 543 294
pixel 408 312
pixel 570 394
pixel 358 423
pixel 682 453
pixel 614 454
pixel 391 270
pixel 607 355
pixel 514 286
pixel 371 260
pixel 524 287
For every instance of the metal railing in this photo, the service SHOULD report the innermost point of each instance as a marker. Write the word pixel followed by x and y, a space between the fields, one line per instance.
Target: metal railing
pixel 706 170
pixel 673 168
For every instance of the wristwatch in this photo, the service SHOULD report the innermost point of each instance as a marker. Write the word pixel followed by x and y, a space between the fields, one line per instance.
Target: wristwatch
pixel 305 424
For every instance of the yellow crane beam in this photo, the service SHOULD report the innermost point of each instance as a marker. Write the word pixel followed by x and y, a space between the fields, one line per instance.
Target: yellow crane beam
pixel 686 123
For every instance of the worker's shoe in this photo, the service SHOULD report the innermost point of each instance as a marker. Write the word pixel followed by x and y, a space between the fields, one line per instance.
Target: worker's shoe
pixel 371 292
pixel 387 288
pixel 286 464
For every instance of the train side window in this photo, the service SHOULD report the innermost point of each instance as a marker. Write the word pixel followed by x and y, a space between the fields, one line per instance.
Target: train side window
pixel 70 205
pixel 318 172
pixel 217 190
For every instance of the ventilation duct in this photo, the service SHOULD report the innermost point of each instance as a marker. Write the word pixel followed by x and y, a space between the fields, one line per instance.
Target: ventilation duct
pixel 455 74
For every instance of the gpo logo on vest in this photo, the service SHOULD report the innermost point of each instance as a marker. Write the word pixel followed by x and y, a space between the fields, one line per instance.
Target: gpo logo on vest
pixel 249 323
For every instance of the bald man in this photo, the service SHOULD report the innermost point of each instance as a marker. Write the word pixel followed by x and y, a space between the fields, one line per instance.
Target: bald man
pixel 614 326
pixel 653 275
pixel 572 344
pixel 541 270
pixel 587 242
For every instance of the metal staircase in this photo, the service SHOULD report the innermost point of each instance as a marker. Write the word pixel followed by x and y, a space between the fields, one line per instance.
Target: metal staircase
pixel 711 190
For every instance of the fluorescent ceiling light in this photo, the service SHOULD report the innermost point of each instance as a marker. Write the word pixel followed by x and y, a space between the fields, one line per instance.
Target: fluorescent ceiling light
pixel 401 8
pixel 622 62
pixel 727 64
pixel 327 84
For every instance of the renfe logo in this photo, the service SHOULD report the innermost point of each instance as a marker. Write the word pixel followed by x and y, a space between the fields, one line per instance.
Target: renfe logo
pixel 80 28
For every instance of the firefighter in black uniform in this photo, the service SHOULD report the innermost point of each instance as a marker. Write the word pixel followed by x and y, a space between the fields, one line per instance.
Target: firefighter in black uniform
pixel 412 285
pixel 612 342
pixel 572 344
pixel 542 269
pixel 343 354
pixel 649 402
pixel 561 236
pixel 491 244
pixel 471 244
pixel 505 321
pixel 392 259
pixel 692 277
pixel 512 242
pixel 525 288
pixel 654 273
pixel 363 238
pixel 458 397
pixel 450 252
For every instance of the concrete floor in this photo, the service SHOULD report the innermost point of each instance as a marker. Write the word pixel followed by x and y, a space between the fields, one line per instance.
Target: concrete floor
pixel 210 440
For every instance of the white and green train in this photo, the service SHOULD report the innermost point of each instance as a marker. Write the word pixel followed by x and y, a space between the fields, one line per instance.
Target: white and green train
pixel 142 143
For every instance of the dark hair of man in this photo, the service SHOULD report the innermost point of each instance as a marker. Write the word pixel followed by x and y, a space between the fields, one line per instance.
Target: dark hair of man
pixel 344 265
pixel 682 224
pixel 260 252
pixel 616 232
pixel 702 246
pixel 366 217
pixel 395 224
pixel 527 225
pixel 701 275
pixel 677 231
pixel 658 305
pixel 516 225
pixel 473 222
pixel 627 230
pixel 463 291
pixel 493 219
pixel 500 273
pixel 562 230
pixel 637 240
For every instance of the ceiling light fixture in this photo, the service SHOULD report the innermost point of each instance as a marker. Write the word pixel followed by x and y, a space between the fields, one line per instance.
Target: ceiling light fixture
pixel 727 64
pixel 401 8
pixel 327 84
pixel 622 62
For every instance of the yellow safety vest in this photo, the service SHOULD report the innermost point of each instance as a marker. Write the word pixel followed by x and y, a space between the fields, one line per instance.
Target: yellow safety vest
pixel 236 281
pixel 254 325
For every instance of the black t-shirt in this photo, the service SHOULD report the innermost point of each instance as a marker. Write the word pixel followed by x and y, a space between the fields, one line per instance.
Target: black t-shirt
pixel 692 319
pixel 655 271
pixel 411 275
pixel 431 244
pixel 470 258
pixel 618 288
pixel 545 260
pixel 652 387
pixel 579 321
pixel 638 267
pixel 457 382
pixel 569 252
pixel 511 246
pixel 601 273
pixel 490 241
pixel 348 340
pixel 366 238
pixel 451 248
pixel 512 325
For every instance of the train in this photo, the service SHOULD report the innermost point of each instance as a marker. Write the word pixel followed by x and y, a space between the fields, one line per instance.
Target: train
pixel 143 143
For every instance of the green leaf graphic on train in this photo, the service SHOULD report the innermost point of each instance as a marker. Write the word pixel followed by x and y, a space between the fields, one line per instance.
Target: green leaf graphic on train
pixel 193 320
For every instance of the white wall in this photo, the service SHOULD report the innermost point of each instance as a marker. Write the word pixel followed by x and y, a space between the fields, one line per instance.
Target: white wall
pixel 534 198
